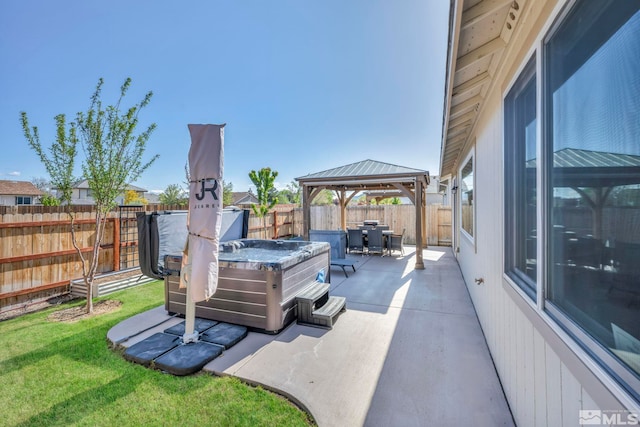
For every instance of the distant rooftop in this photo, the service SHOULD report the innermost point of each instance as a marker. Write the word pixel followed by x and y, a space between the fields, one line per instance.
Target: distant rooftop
pixel 18 188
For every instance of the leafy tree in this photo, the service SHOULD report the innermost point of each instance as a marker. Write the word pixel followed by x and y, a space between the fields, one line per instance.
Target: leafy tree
pixel 390 201
pixel 173 195
pixel 264 180
pixel 284 196
pixel 113 158
pixel 324 198
pixel 296 192
pixel 44 185
pixel 291 194
pixel 49 200
pixel 131 197
pixel 227 193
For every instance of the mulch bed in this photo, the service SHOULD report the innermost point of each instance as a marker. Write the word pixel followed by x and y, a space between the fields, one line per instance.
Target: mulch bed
pixel 76 313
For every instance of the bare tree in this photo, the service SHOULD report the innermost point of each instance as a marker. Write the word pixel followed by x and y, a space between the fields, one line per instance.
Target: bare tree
pixel 113 159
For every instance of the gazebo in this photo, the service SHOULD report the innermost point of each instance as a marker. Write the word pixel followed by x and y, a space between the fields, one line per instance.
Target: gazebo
pixel 369 175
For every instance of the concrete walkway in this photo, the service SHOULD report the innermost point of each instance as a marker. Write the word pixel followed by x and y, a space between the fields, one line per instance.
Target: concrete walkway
pixel 408 351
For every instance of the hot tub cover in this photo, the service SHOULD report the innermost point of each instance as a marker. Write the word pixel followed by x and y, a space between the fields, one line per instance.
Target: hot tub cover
pixel 165 233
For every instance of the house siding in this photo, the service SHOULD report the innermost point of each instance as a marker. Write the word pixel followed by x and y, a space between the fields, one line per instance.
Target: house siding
pixel 10 200
pixel 544 379
pixel 7 200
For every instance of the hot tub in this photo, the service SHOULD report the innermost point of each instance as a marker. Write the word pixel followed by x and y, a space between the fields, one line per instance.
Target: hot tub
pixel 257 282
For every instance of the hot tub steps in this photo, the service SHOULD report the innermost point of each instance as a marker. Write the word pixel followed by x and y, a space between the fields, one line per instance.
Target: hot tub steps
pixel 317 308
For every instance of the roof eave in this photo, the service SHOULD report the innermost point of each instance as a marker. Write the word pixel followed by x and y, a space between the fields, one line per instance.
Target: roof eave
pixel 455 19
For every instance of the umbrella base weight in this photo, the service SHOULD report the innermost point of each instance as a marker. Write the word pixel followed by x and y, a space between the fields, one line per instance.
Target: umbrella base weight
pixel 147 350
pixel 167 351
pixel 187 359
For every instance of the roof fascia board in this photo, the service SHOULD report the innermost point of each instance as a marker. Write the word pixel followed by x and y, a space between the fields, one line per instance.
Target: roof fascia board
pixel 455 19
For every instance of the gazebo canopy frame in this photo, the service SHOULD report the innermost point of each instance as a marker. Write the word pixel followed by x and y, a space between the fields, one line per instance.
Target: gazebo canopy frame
pixel 368 175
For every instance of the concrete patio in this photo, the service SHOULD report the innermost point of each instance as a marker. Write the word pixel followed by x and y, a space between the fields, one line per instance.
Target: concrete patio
pixel 408 351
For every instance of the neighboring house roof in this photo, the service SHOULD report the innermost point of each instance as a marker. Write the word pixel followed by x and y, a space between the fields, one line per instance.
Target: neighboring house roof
pixel 19 188
pixel 152 198
pixel 137 189
pixel 243 198
pixel 363 169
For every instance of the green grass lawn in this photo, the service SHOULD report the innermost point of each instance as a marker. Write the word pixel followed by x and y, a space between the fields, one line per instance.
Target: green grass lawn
pixel 54 373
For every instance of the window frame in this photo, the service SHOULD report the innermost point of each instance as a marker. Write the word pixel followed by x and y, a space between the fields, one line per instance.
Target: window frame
pixel 614 374
pixel 613 366
pixel 515 175
pixel 469 158
pixel 20 200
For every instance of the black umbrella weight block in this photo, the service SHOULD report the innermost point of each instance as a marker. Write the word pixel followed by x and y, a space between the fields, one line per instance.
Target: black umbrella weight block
pixel 188 358
pixel 145 351
pixel 200 325
pixel 224 334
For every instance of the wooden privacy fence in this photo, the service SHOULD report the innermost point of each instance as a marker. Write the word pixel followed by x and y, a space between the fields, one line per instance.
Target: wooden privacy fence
pixel 279 223
pixel 398 217
pixel 38 260
pixel 37 257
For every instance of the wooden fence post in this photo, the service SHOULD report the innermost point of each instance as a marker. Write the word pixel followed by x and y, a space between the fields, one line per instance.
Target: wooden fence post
pixel 275 224
pixel 116 244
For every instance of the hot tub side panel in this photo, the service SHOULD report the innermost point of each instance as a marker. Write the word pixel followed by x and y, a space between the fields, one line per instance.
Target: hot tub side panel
pixel 255 298
pixel 241 296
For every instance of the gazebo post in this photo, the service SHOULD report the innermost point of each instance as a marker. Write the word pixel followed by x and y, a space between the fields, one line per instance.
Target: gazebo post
pixel 425 239
pixel 343 209
pixel 306 211
pixel 419 215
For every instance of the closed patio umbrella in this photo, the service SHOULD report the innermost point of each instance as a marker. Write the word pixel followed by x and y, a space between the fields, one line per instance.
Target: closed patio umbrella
pixel 200 258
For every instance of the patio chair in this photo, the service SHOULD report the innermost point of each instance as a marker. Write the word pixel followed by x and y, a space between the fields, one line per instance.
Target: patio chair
pixel 354 237
pixel 396 242
pixel 374 238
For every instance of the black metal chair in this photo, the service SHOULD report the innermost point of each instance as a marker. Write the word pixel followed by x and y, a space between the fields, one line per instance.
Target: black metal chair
pixel 395 242
pixel 375 243
pixel 354 237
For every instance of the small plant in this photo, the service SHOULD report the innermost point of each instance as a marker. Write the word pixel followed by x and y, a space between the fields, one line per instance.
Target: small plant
pixel 267 197
pixel 227 193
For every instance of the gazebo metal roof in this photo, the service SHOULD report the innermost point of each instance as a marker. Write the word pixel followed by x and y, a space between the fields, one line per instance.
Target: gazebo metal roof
pixel 364 168
pixel 369 175
pixel 576 158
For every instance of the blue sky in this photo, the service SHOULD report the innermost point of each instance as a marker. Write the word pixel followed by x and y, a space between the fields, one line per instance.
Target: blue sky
pixel 303 85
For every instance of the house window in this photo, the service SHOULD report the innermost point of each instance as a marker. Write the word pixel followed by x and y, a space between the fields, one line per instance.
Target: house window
pixel 521 261
pixel 466 196
pixel 592 173
pixel 23 200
